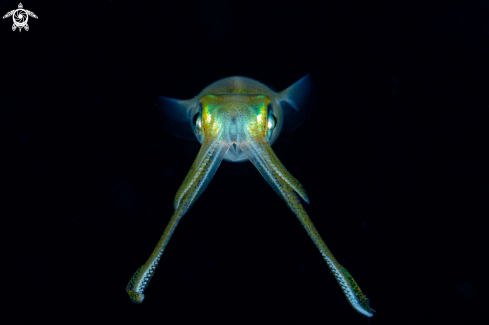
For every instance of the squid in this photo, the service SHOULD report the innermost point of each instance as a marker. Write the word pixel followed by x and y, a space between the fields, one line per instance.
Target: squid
pixel 238 119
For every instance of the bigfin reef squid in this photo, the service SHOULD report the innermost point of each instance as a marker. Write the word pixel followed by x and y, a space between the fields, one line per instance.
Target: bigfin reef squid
pixel 238 119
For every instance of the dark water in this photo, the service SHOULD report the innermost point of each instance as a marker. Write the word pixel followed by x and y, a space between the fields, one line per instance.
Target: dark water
pixel 394 159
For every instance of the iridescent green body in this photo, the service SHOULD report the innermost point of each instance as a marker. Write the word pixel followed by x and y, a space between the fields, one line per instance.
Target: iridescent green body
pixel 238 119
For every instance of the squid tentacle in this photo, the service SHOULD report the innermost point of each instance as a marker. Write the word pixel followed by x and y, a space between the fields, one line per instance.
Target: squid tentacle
pixel 195 183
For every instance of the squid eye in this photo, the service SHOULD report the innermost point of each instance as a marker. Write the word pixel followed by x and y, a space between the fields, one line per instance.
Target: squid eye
pixel 271 122
pixel 198 121
pixel 198 125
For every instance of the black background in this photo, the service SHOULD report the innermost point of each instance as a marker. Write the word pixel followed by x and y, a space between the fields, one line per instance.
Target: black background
pixel 394 159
